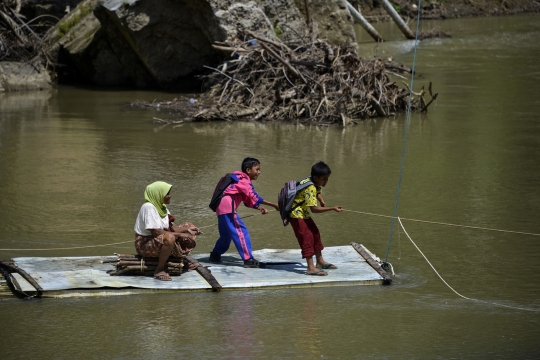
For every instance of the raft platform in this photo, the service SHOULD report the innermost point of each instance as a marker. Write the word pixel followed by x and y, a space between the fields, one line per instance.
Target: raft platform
pixel 59 277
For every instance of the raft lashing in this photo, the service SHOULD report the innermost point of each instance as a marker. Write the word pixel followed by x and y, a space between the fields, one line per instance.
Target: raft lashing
pixel 59 277
pixel 137 265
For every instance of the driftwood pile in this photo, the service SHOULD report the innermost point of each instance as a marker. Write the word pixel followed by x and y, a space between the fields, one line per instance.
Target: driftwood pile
pixel 301 81
pixel 127 264
pixel 22 39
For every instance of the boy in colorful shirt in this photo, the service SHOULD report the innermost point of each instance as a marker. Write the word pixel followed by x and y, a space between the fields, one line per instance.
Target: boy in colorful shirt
pixel 304 227
pixel 230 225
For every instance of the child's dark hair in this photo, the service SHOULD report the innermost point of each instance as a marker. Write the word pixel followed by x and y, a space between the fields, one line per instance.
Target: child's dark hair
pixel 320 169
pixel 248 163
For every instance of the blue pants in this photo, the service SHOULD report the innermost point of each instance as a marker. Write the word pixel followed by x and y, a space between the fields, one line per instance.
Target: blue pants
pixel 231 227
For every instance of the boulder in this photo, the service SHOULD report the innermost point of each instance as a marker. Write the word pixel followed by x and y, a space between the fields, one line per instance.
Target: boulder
pixel 15 76
pixel 164 43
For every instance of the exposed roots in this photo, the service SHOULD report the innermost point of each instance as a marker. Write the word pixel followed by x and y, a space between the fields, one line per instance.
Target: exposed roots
pixel 22 40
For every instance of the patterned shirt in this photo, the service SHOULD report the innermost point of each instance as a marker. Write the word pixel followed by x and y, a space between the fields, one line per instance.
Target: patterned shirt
pixel 304 199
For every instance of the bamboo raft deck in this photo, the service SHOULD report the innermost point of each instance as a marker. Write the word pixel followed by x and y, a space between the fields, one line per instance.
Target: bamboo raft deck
pixel 87 276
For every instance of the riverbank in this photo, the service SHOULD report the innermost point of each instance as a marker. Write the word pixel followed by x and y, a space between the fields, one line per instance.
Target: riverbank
pixel 285 81
pixel 28 63
pixel 446 9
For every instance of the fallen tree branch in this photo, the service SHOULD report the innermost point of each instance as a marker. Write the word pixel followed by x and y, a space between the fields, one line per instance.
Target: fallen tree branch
pixel 238 81
pixel 283 61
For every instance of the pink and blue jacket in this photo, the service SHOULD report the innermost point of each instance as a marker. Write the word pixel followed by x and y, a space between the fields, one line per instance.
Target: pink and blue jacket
pixel 235 194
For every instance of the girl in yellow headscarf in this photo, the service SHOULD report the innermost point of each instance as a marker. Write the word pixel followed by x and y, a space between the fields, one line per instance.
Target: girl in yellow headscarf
pixel 155 233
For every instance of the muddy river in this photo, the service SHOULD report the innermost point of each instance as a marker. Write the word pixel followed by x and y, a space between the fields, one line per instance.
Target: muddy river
pixel 74 163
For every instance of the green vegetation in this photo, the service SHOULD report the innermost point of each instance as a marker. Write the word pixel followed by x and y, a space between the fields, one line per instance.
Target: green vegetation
pixel 71 21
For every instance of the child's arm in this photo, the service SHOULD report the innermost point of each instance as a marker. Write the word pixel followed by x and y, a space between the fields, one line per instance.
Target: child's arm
pixel 250 197
pixel 275 206
pixel 320 209
pixel 321 200
pixel 263 210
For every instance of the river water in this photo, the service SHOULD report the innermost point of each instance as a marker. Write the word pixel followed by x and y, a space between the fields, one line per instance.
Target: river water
pixel 74 163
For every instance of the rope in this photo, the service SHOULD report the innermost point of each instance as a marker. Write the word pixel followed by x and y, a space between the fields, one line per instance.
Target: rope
pixel 408 120
pixel 354 211
pixel 117 243
pixel 446 224
pixel 69 248
pixel 451 288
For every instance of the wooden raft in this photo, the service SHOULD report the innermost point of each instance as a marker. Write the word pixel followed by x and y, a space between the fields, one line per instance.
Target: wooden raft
pixel 87 276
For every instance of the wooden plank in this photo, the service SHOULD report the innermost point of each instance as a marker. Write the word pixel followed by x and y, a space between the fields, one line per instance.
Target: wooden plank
pixel 21 286
pixel 25 275
pixel 205 273
pixel 387 280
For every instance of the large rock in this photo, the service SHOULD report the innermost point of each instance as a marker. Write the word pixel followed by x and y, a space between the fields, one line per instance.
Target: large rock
pixel 16 76
pixel 163 43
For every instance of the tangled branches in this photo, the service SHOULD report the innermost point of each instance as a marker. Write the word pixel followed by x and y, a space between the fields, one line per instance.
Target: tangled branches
pixel 299 81
pixel 20 40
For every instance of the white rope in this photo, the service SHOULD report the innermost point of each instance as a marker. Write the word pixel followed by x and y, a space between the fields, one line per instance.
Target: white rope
pixel 391 268
pixel 447 224
pixel 117 243
pixel 451 288
pixel 69 248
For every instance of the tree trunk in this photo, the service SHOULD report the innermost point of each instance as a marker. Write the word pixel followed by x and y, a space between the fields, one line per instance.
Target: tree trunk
pixel 364 23
pixel 397 19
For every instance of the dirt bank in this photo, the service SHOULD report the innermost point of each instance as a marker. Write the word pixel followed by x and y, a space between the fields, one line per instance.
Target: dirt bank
pixel 447 9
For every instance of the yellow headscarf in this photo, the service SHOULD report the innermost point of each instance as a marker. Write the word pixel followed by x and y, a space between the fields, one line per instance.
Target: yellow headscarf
pixel 155 193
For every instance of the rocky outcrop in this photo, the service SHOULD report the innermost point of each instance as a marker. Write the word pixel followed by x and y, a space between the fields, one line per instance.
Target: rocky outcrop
pixel 163 43
pixel 23 76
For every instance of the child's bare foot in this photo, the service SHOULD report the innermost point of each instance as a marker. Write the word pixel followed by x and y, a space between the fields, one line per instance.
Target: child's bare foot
pixel 163 276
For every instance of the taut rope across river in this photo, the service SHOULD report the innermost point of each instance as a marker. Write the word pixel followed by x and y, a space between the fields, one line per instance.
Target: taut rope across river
pixel 347 210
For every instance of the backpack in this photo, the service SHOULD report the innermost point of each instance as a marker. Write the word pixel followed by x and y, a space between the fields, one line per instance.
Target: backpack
pixel 222 184
pixel 286 198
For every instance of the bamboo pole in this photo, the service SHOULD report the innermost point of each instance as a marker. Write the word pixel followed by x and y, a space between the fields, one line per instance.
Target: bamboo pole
pixel 206 274
pixel 387 280
pixel 397 19
pixel 25 275
pixel 364 23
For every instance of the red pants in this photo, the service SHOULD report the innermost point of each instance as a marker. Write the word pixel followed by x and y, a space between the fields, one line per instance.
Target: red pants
pixel 308 236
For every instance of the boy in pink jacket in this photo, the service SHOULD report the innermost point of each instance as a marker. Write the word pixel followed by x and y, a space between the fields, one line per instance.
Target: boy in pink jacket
pixel 230 225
